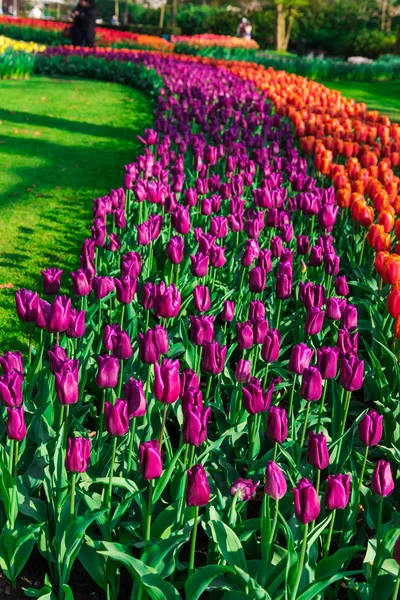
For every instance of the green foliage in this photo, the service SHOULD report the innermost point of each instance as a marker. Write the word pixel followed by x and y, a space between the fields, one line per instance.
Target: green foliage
pixel 16 65
pixel 50 37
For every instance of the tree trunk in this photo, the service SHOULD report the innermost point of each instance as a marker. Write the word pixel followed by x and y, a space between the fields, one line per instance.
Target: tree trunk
pixel 162 14
pixel 116 9
pixel 384 13
pixel 397 46
pixel 174 11
pixel 289 29
pixel 280 27
pixel 125 19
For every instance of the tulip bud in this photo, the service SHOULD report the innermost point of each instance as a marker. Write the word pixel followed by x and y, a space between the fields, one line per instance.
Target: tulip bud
pixel 382 480
pixel 315 259
pixel 277 424
pixel 314 321
pixel 12 360
pixel 349 317
pixel 300 358
pixel 257 280
pixel 228 312
pixel 66 384
pixel 135 398
pixel 152 344
pixel 175 249
pixel 16 428
pixel 59 315
pixel 77 457
pixel 260 330
pixel 256 311
pixel 167 302
pixel 341 286
pixel 201 295
pixel 255 399
pixel 189 379
pixel 351 372
pixel 311 384
pixel 275 483
pixel 243 371
pixel 150 460
pixel 306 501
pixel 347 344
pixel 27 304
pixel 271 346
pixel 180 219
pixel 51 281
pixel 244 488
pixel 166 381
pixel 331 264
pixel 213 358
pixel 108 371
pixel 131 264
pixel 327 361
pixel 194 430
pixel 149 292
pixel 11 388
pixel 337 492
pixel 334 308
pixel 125 289
pixel 77 326
pixel 245 335
pixel 370 428
pixel 102 286
pixel 198 488
pixel 199 264
pixel 317 451
pixel 303 244
pixel 201 329
pixel 116 417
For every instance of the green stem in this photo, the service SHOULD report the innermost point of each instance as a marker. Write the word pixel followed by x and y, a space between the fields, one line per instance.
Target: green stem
pixel 303 434
pixel 61 418
pixel 130 448
pixel 30 344
pixel 275 451
pixel 16 455
pixel 208 388
pixel 66 417
pixel 396 587
pixel 232 513
pixel 265 531
pixel 72 500
pixel 193 541
pixel 11 457
pixel 330 532
pixel 101 420
pixel 278 314
pixel 110 481
pixel 343 424
pixel 253 434
pixel 121 378
pixel 100 305
pixel 164 418
pixel 147 533
pixel 266 376
pixel 301 563
pixel 379 527
pixel 273 530
pixel 290 412
pixel 321 406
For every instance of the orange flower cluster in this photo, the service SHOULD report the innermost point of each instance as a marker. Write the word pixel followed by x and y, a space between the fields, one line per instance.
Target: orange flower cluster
pixel 209 40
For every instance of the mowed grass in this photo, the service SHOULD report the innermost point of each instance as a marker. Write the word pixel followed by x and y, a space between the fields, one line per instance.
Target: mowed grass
pixel 62 143
pixel 378 95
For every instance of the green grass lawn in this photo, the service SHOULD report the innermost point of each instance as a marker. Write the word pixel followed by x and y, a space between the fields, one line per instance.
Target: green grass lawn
pixel 378 95
pixel 62 143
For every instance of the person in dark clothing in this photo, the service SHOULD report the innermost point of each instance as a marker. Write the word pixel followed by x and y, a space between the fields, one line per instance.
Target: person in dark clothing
pixel 91 16
pixel 79 27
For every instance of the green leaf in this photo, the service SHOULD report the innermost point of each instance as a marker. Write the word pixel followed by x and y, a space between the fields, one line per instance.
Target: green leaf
pixel 228 544
pixel 201 579
pixel 154 585
pixel 332 564
pixel 166 476
pixel 315 588
pixel 68 595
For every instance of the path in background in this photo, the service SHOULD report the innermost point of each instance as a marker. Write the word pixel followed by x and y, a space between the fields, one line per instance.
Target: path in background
pixel 62 143
pixel 378 95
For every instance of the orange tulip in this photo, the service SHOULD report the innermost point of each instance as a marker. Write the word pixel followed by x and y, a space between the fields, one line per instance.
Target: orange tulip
pixel 366 216
pixel 396 328
pixel 381 200
pixel 380 260
pixel 386 219
pixel 393 301
pixel 343 197
pixel 374 232
pixel 391 269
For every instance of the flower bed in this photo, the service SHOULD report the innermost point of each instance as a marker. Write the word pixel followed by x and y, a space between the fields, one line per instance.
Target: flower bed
pixel 210 40
pixel 224 342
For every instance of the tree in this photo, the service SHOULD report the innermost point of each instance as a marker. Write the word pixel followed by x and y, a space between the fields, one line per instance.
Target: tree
pixel 286 12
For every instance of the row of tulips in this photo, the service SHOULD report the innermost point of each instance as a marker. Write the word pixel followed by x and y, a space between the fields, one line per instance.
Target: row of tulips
pixel 211 332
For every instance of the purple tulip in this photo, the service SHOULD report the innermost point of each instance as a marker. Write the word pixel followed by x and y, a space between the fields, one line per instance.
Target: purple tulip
pixel 167 383
pixel 257 280
pixel 11 360
pixel 191 398
pixel 58 357
pixel 317 451
pixel 131 264
pixel 245 335
pixel 341 285
pixel 255 399
pixel 260 330
pixel 351 372
pixel 116 417
pixel 337 492
pixel 327 361
pixel 346 343
pixel 180 219
pixel 77 325
pixel 213 358
pixel 243 371
pixel 16 428
pixel 167 302
pixel 334 308
pixel 135 397
pixel 314 321
pixel 331 264
pixel 150 460
pixel 315 259
pixel 382 480
pixel 107 372
pixel 189 380
pixel 311 384
pixel 312 295
pixel 149 293
pixel 27 305
pixel 11 388
pixel 194 429
pixel 201 296
pixel 251 252
pixel 77 457
pixel 349 317
pixel 306 501
pixel 201 329
pixel 99 232
pixel 199 263
pixel 125 289
pixel 59 315
pixel 219 227
pixel 370 428
pixel 277 424
pixel 66 384
pixel 271 346
pixel 102 286
pixel 276 246
pixel 256 310
pixel 175 249
pixel 119 218
pixel 51 281
pixel 303 244
pixel 264 260
pixel 300 358
pixel 244 488
pixel 275 483
pixel 228 312
pixel 114 243
pixel 143 233
pixel 283 287
pixel 152 344
pixel 198 488
pixel 327 216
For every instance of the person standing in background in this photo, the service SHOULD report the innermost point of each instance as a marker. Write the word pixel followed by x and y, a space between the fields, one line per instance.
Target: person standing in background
pixel 91 16
pixel 78 27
